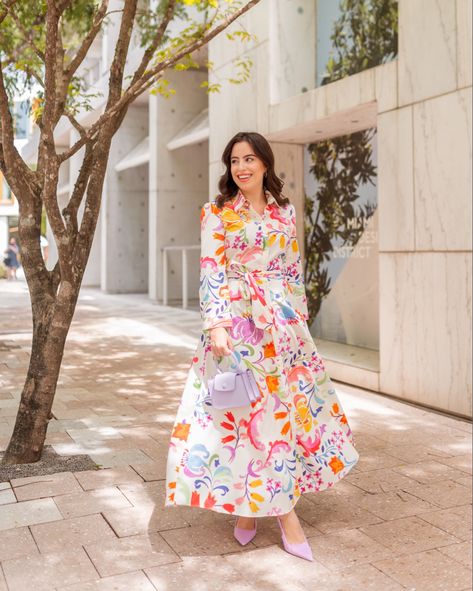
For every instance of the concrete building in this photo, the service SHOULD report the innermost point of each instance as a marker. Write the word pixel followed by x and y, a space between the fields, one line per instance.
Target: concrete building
pixel 397 318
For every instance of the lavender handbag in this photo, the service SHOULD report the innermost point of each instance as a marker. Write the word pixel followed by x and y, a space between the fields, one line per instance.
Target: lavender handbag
pixel 232 389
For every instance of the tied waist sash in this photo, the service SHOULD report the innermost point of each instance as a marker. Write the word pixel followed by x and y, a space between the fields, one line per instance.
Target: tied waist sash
pixel 256 284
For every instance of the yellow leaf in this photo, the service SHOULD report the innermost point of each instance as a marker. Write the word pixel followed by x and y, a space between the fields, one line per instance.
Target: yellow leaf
pixel 254 507
pixel 295 247
pixel 282 241
pixel 257 497
pixel 256 483
pixel 272 239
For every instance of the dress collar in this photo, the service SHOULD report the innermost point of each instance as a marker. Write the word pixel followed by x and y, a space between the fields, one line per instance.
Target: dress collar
pixel 241 200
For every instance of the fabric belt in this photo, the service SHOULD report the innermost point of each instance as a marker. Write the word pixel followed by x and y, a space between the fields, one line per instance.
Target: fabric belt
pixel 256 285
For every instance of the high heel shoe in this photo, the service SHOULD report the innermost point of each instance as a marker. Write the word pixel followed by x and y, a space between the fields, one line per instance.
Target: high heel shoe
pixel 303 550
pixel 244 536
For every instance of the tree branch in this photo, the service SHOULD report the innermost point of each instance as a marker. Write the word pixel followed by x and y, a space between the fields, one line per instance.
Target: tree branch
pixel 156 42
pixel 121 52
pixel 77 126
pixel 5 11
pixel 148 79
pixel 19 176
pixel 87 42
pixel 27 36
pixel 70 211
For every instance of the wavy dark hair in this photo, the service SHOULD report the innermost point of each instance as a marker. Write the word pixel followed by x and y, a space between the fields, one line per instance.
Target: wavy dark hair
pixel 272 183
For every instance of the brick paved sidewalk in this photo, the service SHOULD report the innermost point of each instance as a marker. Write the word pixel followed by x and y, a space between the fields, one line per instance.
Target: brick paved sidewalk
pixel 400 520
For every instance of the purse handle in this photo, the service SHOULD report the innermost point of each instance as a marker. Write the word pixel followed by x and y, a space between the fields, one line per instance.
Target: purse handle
pixel 219 359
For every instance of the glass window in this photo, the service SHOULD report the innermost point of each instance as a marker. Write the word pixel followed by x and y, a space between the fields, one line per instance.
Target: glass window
pixel 341 239
pixel 354 35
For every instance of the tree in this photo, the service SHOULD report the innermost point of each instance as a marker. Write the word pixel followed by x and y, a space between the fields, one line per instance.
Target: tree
pixel 364 36
pixel 43 45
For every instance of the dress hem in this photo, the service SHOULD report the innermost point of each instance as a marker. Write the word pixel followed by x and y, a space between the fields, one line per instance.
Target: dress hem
pixel 217 509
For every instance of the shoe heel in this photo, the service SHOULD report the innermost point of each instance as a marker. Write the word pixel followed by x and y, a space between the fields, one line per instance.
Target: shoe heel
pixel 302 550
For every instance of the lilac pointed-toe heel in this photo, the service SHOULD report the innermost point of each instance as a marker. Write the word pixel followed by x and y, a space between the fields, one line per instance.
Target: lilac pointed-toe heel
pixel 244 536
pixel 302 550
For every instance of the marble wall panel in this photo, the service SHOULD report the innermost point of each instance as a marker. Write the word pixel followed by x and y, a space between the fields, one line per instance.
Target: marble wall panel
pixel 425 328
pixel 293 34
pixel 395 180
pixel 464 42
pixel 427 49
pixel 442 172
pixel 242 107
pixel 256 22
pixel 386 86
pixel 339 102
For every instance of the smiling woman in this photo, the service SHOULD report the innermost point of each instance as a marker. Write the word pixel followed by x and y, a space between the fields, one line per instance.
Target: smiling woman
pixel 256 460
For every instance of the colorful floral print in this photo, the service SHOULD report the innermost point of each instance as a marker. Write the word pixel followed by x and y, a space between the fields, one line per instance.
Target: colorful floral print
pixel 258 460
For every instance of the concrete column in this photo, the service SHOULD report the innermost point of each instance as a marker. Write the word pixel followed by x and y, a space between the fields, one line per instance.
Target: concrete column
pixel 178 182
pixel 124 239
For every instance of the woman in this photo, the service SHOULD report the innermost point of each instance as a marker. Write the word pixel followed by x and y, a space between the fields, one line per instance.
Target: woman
pixel 257 460
pixel 11 261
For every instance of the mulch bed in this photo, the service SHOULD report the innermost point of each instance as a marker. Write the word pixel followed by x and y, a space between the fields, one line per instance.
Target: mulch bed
pixel 50 463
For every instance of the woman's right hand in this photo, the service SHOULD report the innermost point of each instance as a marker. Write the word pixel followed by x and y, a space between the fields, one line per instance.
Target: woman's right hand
pixel 220 342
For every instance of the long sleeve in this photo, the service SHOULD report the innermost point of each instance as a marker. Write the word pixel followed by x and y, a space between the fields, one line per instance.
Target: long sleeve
pixel 214 295
pixel 294 271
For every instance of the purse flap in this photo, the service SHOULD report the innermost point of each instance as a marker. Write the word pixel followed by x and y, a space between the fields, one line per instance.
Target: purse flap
pixel 225 381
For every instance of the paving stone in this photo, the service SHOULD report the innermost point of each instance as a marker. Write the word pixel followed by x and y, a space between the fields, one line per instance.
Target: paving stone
pixel 76 532
pixel 48 571
pixel 464 481
pixel 426 472
pixel 411 456
pixel 379 481
pixel 151 470
pixel 461 552
pixel 145 493
pixel 137 581
pixel 454 520
pixel 426 571
pixel 117 458
pixel 257 567
pixel 343 549
pixel 92 479
pixel 408 535
pixel 203 540
pixel 395 504
pixel 123 555
pixel 16 542
pixel 6 495
pixel 463 462
pixel 364 577
pixel 28 513
pixel 94 501
pixel 36 487
pixel 142 519
pixel 374 460
pixel 443 494
pixel 331 513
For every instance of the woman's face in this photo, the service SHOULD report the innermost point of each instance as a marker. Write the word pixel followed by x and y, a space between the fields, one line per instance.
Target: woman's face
pixel 246 168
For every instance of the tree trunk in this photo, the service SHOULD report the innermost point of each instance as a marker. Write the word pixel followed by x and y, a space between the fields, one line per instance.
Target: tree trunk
pixel 51 322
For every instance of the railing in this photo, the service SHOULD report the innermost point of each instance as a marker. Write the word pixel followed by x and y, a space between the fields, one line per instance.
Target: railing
pixel 185 282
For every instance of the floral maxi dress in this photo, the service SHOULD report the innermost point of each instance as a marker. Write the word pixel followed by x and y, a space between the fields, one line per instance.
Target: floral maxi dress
pixel 256 460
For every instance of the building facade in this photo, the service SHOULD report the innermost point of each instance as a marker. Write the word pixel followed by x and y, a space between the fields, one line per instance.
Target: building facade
pixel 394 297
